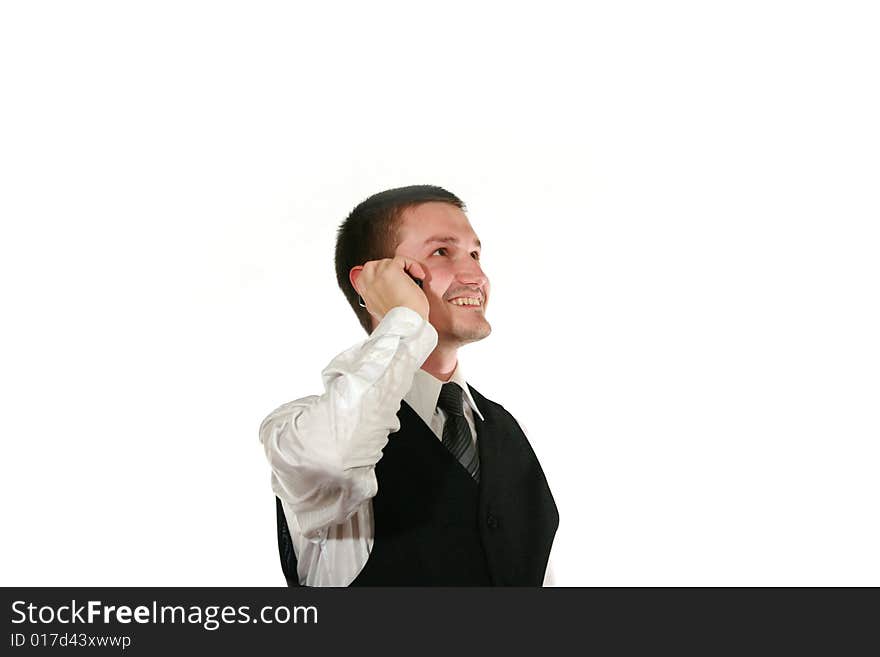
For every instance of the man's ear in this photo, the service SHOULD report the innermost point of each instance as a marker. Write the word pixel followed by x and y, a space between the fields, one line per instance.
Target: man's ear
pixel 353 275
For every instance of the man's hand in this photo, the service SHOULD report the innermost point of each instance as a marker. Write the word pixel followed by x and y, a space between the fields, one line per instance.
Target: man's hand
pixel 385 284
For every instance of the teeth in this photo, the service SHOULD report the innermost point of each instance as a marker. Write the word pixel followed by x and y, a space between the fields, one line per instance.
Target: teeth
pixel 464 301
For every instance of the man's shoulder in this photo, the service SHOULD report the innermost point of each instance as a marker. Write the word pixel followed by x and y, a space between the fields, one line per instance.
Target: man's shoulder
pixel 479 397
pixel 497 415
pixel 485 404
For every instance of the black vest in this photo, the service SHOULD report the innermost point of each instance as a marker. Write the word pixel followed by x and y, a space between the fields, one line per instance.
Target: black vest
pixel 435 526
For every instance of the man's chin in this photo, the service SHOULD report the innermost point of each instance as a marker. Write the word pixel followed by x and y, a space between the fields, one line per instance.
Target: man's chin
pixel 467 334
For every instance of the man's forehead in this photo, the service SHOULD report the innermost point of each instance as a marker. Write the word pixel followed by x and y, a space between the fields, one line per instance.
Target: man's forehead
pixel 436 222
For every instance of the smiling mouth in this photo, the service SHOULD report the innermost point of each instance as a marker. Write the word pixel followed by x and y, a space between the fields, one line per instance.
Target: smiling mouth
pixel 469 303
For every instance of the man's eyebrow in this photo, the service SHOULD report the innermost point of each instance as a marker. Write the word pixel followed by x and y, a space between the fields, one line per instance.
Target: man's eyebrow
pixel 448 240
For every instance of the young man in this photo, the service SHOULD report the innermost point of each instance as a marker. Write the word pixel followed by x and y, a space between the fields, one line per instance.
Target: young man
pixel 401 473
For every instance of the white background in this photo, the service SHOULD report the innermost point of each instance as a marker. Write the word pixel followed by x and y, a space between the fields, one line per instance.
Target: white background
pixel 679 206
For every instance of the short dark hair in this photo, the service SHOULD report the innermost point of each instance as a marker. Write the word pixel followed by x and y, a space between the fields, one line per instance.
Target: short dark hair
pixel 370 232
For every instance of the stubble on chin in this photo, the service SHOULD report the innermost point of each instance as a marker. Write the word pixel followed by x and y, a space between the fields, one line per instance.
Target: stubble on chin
pixel 474 333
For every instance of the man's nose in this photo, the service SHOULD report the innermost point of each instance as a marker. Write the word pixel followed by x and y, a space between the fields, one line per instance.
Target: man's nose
pixel 470 273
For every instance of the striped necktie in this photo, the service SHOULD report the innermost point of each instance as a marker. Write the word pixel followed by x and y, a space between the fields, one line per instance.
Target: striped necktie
pixel 457 437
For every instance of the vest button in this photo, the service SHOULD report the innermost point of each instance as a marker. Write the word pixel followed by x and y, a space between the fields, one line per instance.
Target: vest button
pixel 492 521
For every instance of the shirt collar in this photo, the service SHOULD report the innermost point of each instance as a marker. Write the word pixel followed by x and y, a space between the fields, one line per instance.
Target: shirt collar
pixel 425 392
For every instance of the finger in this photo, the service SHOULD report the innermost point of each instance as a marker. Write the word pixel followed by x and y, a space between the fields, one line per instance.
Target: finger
pixel 411 266
pixel 370 271
pixel 417 270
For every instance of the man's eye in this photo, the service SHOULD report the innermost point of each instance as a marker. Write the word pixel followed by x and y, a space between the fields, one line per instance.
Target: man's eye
pixel 476 255
pixel 442 248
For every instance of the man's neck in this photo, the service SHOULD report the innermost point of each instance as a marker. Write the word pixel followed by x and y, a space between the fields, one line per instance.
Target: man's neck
pixel 441 362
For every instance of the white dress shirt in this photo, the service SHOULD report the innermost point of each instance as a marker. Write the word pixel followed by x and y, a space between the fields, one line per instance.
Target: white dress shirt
pixel 323 449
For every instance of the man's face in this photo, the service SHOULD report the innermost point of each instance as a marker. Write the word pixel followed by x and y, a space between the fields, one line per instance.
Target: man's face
pixel 440 237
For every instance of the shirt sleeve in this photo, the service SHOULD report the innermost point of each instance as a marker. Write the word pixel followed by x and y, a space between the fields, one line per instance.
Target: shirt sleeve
pixel 323 449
